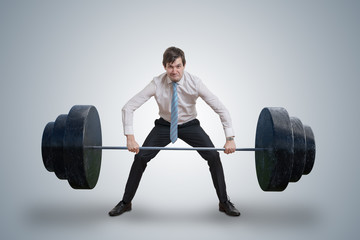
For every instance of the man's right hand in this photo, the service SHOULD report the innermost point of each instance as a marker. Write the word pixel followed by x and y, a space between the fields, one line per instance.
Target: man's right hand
pixel 131 144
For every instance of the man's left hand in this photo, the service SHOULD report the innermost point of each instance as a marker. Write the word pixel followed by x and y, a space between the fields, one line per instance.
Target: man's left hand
pixel 230 146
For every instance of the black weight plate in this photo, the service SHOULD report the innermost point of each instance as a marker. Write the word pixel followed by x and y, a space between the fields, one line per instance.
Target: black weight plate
pixel 273 167
pixel 82 164
pixel 46 148
pixel 299 149
pixel 310 150
pixel 57 145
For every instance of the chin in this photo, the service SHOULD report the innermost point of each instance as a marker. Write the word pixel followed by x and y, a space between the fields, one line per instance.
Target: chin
pixel 175 79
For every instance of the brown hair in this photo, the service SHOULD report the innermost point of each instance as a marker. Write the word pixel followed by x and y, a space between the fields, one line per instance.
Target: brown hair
pixel 171 54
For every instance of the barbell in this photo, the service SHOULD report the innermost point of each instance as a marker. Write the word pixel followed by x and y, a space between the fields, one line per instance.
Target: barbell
pixel 72 147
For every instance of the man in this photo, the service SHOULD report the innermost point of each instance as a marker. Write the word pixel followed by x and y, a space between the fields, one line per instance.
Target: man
pixel 176 92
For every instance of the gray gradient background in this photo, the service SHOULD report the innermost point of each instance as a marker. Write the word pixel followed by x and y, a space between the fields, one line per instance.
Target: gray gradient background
pixel 302 55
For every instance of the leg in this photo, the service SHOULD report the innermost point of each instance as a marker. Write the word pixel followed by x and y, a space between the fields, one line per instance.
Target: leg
pixel 195 136
pixel 160 137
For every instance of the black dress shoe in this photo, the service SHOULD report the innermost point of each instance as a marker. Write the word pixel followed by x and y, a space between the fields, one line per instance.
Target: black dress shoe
pixel 120 208
pixel 229 208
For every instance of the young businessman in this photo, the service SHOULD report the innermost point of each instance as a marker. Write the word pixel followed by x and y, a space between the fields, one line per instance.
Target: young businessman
pixel 176 92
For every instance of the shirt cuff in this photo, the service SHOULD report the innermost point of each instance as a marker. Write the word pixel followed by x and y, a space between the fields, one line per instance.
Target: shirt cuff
pixel 229 132
pixel 128 130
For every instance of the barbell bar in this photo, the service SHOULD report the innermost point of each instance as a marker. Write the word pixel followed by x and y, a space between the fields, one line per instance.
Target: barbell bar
pixel 72 146
pixel 177 148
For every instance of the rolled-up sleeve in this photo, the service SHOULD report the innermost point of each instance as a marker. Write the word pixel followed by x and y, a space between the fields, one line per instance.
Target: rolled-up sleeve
pixel 214 102
pixel 133 104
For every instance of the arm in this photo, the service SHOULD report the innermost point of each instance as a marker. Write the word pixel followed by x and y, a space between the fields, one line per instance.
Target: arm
pixel 223 113
pixel 128 114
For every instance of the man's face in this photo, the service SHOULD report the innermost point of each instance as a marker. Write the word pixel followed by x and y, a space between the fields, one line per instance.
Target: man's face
pixel 175 70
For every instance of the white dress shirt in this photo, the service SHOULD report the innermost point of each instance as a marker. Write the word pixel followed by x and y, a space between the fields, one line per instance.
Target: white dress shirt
pixel 189 89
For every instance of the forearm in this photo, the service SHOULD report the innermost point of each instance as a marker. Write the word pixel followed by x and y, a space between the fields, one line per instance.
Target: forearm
pixel 127 120
pixel 130 137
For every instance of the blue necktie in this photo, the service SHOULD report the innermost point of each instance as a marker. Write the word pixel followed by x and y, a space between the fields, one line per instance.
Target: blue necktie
pixel 174 115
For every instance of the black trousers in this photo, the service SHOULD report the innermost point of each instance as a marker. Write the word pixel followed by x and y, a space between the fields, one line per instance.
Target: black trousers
pixel 191 133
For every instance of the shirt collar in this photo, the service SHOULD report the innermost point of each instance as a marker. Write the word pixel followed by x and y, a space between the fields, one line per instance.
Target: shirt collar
pixel 179 82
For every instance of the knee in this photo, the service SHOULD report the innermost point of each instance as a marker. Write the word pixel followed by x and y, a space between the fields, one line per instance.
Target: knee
pixel 211 156
pixel 142 159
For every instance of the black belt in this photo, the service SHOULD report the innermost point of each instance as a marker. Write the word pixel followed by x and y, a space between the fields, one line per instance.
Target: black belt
pixel 163 122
